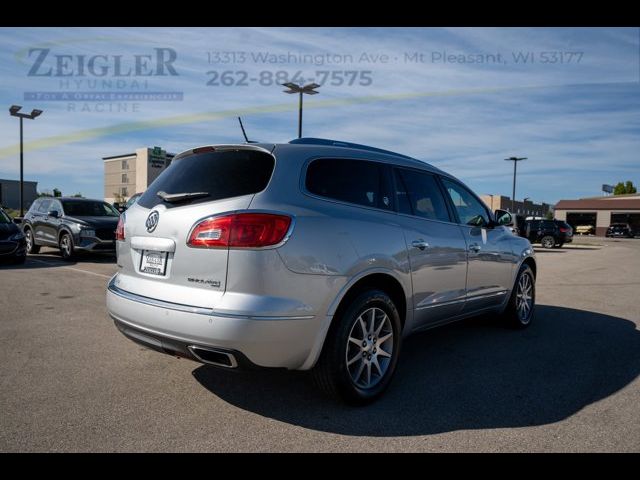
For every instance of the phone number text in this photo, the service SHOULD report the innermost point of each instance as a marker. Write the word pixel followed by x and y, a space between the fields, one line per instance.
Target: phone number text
pixel 267 78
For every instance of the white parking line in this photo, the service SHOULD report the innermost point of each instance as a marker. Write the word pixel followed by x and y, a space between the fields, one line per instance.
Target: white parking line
pixel 70 268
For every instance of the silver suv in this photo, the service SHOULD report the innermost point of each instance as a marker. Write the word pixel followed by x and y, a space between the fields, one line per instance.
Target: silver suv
pixel 315 254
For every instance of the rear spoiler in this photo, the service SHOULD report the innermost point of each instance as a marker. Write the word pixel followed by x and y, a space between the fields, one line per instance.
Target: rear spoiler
pixel 224 148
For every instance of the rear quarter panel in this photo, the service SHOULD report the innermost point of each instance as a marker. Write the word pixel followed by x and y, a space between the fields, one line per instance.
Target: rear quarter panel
pixel 338 242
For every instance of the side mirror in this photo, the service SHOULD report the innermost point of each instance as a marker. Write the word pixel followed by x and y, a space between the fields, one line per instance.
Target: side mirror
pixel 503 217
pixel 53 213
pixel 17 220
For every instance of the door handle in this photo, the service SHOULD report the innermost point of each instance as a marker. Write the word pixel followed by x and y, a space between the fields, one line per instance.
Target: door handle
pixel 421 244
pixel 474 247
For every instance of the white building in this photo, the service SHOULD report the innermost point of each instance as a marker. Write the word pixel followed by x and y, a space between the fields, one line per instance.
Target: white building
pixel 131 173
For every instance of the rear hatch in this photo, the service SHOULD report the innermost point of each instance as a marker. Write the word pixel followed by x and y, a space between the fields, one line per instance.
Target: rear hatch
pixel 155 260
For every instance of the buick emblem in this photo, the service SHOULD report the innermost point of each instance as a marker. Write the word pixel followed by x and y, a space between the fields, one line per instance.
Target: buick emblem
pixel 152 221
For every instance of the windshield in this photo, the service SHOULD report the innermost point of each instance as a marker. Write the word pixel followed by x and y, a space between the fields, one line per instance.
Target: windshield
pixel 76 208
pixel 4 218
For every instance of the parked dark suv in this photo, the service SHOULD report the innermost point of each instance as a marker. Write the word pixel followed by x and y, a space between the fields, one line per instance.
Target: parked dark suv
pixel 620 230
pixel 548 233
pixel 12 242
pixel 70 224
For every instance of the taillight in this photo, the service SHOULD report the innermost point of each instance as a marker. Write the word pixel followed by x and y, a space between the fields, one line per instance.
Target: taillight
pixel 564 230
pixel 241 230
pixel 120 229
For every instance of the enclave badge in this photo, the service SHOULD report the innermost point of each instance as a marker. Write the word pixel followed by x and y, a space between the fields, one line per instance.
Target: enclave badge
pixel 152 221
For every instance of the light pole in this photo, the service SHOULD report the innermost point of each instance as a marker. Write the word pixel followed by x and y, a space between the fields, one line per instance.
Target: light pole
pixel 301 90
pixel 515 161
pixel 14 111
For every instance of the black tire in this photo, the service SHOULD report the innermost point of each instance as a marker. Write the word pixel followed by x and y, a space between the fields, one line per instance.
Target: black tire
pixel 511 315
pixel 67 250
pixel 547 241
pixel 31 244
pixel 333 375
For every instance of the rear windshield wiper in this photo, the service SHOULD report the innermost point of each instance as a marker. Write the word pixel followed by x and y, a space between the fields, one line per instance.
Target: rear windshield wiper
pixel 179 197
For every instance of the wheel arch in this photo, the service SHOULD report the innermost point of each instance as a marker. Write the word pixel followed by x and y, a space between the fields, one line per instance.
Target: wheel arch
pixel 379 279
pixel 531 262
pixel 62 231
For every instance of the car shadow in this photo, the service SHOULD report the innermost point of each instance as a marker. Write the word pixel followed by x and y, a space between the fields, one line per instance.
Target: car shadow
pixel 51 259
pixel 470 375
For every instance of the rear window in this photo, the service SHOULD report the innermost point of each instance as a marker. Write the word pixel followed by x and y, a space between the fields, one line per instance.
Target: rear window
pixel 353 181
pixel 221 175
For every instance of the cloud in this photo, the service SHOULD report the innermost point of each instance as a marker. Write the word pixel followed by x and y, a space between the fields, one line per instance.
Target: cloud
pixel 577 122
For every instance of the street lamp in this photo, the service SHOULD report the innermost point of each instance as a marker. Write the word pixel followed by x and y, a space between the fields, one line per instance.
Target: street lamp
pixel 14 111
pixel 515 161
pixel 301 90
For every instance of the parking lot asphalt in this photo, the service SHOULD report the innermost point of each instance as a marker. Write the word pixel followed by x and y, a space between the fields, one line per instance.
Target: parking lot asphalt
pixel 69 381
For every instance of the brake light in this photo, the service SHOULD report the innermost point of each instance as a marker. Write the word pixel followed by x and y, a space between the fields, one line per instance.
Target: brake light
pixel 564 229
pixel 241 230
pixel 203 149
pixel 120 229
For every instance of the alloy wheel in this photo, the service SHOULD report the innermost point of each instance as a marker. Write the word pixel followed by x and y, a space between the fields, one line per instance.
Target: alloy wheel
pixel 65 245
pixel 369 348
pixel 524 298
pixel 548 242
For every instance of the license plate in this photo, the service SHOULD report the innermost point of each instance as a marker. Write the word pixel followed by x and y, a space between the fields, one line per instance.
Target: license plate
pixel 153 262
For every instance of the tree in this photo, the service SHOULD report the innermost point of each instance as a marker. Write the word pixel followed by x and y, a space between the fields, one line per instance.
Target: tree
pixel 77 195
pixel 548 215
pixel 624 188
pixel 630 188
pixel 57 192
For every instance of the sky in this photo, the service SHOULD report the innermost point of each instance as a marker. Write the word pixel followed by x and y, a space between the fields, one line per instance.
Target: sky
pixel 462 99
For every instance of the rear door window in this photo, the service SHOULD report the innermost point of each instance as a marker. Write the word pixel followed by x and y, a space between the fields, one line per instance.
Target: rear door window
pixel 353 181
pixel 418 194
pixel 219 174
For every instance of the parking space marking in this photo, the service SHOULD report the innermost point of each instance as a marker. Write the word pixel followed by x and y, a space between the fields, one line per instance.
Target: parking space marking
pixel 71 268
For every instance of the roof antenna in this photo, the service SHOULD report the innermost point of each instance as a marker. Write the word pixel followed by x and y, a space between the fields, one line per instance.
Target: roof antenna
pixel 243 132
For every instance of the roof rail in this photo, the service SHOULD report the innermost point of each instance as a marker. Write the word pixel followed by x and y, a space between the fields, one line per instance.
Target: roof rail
pixel 338 143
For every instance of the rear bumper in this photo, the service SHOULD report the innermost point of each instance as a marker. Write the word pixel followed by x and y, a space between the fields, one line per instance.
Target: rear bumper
pixel 276 342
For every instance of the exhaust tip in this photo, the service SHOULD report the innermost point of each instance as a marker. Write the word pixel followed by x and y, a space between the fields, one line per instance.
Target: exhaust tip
pixel 213 356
